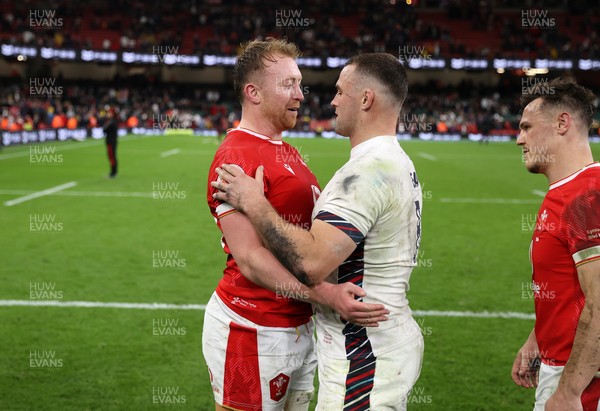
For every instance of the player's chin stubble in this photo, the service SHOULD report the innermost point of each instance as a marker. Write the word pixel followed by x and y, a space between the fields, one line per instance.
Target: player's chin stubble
pixel 534 168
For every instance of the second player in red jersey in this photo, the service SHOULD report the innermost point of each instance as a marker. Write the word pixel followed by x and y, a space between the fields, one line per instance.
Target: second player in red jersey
pixel 564 252
pixel 567 234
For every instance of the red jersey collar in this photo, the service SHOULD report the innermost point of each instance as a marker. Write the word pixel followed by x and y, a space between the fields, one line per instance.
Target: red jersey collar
pixel 255 134
pixel 565 180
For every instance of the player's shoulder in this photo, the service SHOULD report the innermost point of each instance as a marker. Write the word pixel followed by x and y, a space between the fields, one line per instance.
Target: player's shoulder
pixel 592 174
pixel 237 141
pixel 585 180
pixel 388 161
pixel 578 192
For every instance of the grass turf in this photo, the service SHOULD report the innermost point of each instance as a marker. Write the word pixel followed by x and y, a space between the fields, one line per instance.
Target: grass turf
pixel 110 247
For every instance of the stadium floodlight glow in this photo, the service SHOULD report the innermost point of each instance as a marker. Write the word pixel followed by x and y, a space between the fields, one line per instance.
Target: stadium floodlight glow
pixel 10 50
pixel 587 64
pixel 182 59
pixel 419 63
pixel 309 62
pixel 129 57
pixel 508 64
pixel 468 64
pixel 212 60
pixel 534 71
pixel 94 55
pixel 335 62
pixel 554 64
pixel 59 54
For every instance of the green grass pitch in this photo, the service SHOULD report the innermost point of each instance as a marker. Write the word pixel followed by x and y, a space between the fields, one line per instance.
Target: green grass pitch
pixel 148 237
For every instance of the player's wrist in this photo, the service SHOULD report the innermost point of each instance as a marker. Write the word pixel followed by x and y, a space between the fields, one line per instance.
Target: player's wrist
pixel 253 205
pixel 569 387
pixel 567 393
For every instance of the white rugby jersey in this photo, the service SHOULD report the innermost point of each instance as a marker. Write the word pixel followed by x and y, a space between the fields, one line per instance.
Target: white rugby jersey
pixel 376 199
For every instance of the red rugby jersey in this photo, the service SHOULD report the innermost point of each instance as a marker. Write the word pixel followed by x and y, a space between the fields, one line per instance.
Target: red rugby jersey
pixel 292 190
pixel 567 234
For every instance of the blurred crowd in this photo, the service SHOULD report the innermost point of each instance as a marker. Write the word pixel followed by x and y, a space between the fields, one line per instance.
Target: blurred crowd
pixel 331 28
pixel 465 108
pixel 85 105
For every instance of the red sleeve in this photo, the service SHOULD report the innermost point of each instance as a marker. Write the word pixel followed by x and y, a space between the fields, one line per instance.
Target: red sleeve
pixel 582 218
pixel 247 160
pixel 225 155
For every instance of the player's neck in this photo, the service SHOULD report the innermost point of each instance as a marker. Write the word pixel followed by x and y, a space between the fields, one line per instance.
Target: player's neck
pixel 260 126
pixel 566 165
pixel 367 130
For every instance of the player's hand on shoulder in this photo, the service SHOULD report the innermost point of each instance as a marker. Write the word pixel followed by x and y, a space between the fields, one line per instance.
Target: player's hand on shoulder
pixel 235 187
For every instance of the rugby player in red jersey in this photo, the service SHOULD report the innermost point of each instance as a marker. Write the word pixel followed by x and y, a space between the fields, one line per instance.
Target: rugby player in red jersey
pixel 565 250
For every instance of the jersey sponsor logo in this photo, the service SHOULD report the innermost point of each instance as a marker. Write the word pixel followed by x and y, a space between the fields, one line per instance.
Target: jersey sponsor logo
pixel 593 233
pixel 278 386
pixel 241 302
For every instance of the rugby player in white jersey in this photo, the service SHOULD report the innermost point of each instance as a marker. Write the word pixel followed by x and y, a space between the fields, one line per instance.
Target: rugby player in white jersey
pixel 366 230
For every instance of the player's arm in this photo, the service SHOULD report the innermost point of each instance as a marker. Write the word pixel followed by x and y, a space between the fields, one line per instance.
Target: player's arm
pixel 526 365
pixel 309 255
pixel 584 360
pixel 258 265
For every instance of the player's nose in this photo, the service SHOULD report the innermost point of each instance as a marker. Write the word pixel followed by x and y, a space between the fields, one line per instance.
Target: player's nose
pixel 298 94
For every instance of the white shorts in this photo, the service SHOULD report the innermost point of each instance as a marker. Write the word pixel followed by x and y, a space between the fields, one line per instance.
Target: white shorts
pixel 548 383
pixel 253 367
pixel 372 384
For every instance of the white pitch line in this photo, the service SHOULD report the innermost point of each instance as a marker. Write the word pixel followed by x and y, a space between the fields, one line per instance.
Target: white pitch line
pixel 40 194
pixel 539 193
pixel 202 307
pixel 99 304
pixel 473 314
pixel 82 193
pixel 104 194
pixel 490 200
pixel 24 153
pixel 428 156
pixel 81 144
pixel 170 152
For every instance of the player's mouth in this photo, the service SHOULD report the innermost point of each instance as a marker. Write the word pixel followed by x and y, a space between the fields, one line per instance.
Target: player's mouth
pixel 293 109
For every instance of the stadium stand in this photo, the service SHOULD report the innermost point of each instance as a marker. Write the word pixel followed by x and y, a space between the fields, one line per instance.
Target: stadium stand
pixel 338 28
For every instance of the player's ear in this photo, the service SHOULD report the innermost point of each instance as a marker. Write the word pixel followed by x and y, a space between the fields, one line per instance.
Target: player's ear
pixel 367 99
pixel 564 122
pixel 252 93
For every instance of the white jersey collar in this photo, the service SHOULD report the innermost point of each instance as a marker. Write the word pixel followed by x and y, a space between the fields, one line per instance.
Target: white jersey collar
pixel 368 144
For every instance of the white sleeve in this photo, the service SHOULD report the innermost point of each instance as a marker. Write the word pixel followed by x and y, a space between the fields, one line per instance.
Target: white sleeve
pixel 356 202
